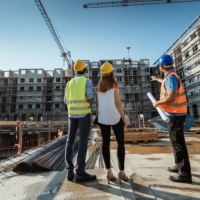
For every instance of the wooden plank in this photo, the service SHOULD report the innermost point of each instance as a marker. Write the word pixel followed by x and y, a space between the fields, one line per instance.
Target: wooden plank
pixel 139 130
pixel 198 132
pixel 137 135
pixel 8 123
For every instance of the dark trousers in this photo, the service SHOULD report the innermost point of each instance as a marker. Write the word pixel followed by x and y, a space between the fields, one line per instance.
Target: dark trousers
pixel 119 134
pixel 176 134
pixel 83 125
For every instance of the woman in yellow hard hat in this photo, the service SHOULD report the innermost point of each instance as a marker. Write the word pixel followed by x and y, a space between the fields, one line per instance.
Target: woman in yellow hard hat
pixel 111 114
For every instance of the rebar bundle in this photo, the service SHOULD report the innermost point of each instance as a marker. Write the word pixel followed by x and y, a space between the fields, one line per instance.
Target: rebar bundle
pixel 97 153
pixel 50 158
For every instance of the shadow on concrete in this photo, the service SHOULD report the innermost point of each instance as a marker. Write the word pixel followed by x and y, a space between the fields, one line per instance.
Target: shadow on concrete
pixel 53 186
pixel 195 183
pixel 114 188
pixel 196 175
pixel 165 195
pixel 142 192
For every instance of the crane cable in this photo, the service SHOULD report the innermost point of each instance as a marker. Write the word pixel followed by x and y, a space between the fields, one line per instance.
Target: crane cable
pixel 58 35
pixel 127 28
pixel 64 59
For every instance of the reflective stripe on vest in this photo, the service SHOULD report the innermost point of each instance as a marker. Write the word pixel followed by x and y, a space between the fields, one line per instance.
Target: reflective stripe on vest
pixel 78 108
pixel 178 95
pixel 179 105
pixel 77 102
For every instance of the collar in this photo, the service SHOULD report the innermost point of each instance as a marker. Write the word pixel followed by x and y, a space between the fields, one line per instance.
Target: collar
pixel 77 75
pixel 169 73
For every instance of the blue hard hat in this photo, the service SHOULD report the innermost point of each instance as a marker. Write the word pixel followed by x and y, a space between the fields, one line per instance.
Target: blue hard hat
pixel 165 60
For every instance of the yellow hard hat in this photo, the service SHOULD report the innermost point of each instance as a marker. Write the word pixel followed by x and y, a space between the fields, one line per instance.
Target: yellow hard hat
pixel 79 66
pixel 106 68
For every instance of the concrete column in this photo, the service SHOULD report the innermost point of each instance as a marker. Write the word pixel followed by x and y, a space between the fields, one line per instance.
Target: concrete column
pixel 49 134
pixel 62 130
pixel 27 117
pixel 38 135
pixel 20 138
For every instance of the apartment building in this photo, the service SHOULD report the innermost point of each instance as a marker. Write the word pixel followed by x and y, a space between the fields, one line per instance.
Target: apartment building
pixel 33 95
pixel 134 80
pixel 37 94
pixel 186 54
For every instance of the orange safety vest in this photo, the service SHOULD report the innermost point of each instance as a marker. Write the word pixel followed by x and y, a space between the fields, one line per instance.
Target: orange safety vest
pixel 179 105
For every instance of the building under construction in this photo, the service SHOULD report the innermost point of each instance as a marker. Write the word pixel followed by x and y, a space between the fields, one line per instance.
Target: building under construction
pixel 37 94
pixel 33 95
pixel 134 80
pixel 186 53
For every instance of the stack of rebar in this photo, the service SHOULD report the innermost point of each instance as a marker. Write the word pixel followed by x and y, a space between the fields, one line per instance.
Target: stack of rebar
pixel 97 153
pixel 50 158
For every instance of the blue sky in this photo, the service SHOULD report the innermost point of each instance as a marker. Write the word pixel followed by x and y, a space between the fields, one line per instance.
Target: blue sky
pixel 93 34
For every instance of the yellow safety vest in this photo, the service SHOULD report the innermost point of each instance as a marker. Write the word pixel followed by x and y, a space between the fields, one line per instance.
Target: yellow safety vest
pixel 77 101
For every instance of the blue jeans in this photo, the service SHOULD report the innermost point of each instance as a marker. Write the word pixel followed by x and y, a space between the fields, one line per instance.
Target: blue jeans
pixel 83 125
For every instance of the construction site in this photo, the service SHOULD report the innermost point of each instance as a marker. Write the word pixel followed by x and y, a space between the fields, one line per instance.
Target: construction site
pixel 34 125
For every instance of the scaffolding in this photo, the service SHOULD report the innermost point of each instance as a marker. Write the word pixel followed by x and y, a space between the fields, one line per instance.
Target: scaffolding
pixel 33 95
pixel 186 54
pixel 134 82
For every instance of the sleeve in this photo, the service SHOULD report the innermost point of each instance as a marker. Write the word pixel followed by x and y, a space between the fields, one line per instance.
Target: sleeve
pixel 171 83
pixel 89 89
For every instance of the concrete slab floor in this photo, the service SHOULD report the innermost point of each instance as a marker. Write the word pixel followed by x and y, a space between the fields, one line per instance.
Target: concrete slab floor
pixel 147 172
pixel 152 171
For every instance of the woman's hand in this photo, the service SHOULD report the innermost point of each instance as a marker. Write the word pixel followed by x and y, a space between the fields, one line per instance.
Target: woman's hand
pixel 124 122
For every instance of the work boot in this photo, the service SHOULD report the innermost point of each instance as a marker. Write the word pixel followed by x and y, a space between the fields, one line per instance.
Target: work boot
pixel 70 174
pixel 85 177
pixel 173 169
pixel 181 179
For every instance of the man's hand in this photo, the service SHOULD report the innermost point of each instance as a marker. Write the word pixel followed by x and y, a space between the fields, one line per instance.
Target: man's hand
pixel 155 104
pixel 91 100
pixel 153 78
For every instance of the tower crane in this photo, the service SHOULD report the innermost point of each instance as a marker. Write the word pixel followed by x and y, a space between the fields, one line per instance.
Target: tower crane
pixel 132 3
pixel 66 56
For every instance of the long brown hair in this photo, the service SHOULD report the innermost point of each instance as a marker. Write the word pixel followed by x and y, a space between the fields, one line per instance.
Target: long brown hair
pixel 107 82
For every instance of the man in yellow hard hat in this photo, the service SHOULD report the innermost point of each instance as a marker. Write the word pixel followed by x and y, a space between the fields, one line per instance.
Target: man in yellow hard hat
pixel 78 96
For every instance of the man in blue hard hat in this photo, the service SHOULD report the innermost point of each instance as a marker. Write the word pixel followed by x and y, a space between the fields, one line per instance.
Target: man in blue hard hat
pixel 174 103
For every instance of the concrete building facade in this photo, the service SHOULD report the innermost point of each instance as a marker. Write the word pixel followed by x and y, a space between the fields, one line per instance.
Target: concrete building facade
pixel 134 80
pixel 186 54
pixel 33 95
pixel 37 94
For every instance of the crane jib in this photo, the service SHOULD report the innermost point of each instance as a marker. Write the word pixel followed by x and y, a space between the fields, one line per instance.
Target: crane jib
pixel 66 56
pixel 132 3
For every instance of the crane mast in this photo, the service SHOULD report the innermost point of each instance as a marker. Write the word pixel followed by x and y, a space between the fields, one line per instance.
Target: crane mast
pixel 66 56
pixel 132 3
